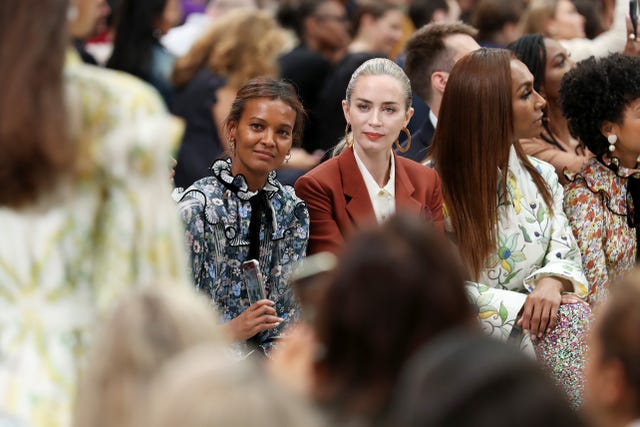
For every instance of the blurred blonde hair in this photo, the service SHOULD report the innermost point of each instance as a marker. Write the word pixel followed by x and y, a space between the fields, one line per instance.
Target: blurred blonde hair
pixel 535 19
pixel 203 388
pixel 145 330
pixel 243 45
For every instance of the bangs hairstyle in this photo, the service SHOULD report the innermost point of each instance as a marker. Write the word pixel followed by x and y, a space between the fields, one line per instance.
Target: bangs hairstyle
pixel 471 145
pixel 264 87
pixel 35 142
pixel 243 45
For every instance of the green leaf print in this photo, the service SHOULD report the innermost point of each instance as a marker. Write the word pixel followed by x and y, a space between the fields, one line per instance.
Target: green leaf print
pixel 503 312
pixel 525 235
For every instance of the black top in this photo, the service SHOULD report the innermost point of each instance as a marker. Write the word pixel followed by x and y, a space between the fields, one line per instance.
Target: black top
pixel 330 126
pixel 201 144
pixel 307 71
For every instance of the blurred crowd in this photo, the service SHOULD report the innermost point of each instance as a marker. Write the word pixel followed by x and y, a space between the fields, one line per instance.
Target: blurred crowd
pixel 319 213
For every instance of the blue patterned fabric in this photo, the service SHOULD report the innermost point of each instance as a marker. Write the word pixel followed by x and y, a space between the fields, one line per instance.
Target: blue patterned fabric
pixel 217 232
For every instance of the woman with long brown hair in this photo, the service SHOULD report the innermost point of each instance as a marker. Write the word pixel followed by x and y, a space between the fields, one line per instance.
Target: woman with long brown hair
pixel 504 209
pixel 85 205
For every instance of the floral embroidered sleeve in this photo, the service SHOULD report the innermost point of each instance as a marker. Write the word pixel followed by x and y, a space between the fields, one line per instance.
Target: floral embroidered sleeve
pixel 192 212
pixel 562 258
pixel 585 216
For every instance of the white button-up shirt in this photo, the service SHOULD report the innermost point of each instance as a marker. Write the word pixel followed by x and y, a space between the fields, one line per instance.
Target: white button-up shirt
pixel 383 199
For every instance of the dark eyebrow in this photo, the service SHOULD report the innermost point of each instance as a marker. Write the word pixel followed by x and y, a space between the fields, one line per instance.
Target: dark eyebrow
pixel 384 103
pixel 261 120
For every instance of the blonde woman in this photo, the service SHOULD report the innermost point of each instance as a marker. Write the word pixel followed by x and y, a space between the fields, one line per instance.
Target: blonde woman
pixel 367 181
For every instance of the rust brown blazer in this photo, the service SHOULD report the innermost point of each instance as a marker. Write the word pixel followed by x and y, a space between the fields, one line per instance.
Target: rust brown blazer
pixel 338 201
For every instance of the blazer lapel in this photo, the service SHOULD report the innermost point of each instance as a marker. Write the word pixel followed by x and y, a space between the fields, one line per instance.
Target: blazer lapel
pixel 358 203
pixel 405 190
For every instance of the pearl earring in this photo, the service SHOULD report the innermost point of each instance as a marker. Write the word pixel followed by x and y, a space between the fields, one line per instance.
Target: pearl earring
pixel 613 138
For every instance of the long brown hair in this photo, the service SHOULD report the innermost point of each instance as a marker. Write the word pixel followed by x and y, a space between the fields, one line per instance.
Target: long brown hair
pixel 34 139
pixel 471 144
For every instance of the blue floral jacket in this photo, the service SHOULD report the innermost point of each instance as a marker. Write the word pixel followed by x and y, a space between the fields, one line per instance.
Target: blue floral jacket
pixel 217 233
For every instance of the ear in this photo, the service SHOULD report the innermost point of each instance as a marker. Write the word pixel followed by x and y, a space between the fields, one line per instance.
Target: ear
pixel 410 112
pixel 231 128
pixel 310 25
pixel 439 81
pixel 607 128
pixel 345 111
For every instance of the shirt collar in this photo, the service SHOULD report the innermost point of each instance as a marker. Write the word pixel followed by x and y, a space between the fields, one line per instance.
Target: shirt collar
pixel 433 118
pixel 372 186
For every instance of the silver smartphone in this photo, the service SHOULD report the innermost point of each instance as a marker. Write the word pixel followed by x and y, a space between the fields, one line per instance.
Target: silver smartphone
pixel 253 281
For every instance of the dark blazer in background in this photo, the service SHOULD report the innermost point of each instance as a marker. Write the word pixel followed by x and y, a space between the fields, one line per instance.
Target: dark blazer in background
pixel 338 200
pixel 420 141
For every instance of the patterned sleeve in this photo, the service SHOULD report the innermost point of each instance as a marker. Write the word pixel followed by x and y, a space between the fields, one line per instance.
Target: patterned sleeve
pixel 586 219
pixel 292 250
pixel 192 213
pixel 562 258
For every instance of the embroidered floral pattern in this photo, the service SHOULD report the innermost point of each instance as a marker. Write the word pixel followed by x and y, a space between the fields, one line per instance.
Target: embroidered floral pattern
pixel 596 205
pixel 63 264
pixel 532 242
pixel 217 232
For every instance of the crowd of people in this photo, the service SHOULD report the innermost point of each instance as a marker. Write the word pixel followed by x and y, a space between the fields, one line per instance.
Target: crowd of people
pixel 319 213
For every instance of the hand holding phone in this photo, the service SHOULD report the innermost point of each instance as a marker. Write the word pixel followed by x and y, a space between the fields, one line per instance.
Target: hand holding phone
pixel 253 281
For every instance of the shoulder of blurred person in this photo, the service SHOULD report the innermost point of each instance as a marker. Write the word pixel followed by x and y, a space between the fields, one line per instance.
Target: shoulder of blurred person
pixel 118 115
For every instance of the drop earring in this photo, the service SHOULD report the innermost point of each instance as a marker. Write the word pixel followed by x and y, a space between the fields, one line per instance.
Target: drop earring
pixel 613 138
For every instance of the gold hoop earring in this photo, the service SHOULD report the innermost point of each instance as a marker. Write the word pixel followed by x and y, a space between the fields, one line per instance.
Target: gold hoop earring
pixel 406 147
pixel 346 136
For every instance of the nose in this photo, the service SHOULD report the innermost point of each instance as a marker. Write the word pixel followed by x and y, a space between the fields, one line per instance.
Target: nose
pixel 374 119
pixel 540 102
pixel 269 137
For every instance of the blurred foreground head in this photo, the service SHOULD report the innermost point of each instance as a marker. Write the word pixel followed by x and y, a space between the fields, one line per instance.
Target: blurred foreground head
pixel 612 375
pixel 145 330
pixel 396 286
pixel 464 379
